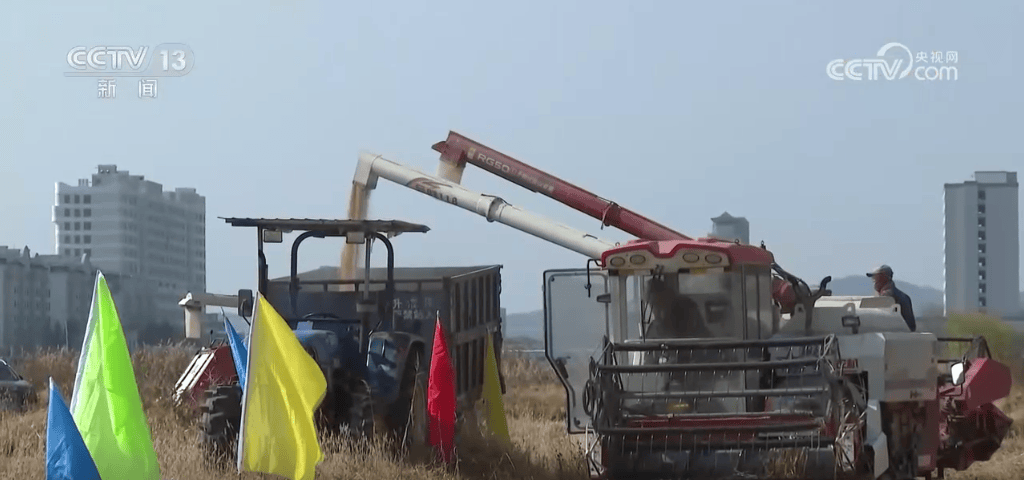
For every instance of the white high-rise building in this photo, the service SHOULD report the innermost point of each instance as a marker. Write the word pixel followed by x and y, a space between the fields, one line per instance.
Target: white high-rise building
pixel 982 245
pixel 130 225
pixel 728 227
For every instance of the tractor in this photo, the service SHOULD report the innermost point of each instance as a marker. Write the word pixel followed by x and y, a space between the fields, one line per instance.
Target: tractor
pixel 371 337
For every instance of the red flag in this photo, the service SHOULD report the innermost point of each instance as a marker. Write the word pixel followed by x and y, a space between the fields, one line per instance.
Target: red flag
pixel 441 397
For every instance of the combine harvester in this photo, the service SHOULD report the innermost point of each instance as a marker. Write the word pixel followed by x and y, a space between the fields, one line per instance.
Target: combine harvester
pixel 688 358
pixel 372 343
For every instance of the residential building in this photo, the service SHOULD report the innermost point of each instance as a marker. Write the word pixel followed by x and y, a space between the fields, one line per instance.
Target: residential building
pixel 132 226
pixel 45 300
pixel 728 227
pixel 982 245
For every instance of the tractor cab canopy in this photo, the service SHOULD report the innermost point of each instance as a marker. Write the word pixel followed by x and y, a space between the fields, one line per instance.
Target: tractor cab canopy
pixel 272 230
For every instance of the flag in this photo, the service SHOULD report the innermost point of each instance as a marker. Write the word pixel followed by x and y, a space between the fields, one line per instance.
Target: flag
pixel 67 457
pixel 238 353
pixel 277 431
pixel 441 397
pixel 106 405
pixel 492 395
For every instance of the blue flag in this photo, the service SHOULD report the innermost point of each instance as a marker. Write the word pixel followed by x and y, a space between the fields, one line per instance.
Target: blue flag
pixel 67 457
pixel 238 352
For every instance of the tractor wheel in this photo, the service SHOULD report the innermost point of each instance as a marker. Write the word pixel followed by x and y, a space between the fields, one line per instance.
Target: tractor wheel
pixel 360 412
pixel 409 413
pixel 219 422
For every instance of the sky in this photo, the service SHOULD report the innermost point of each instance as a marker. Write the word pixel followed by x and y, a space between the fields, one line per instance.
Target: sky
pixel 678 110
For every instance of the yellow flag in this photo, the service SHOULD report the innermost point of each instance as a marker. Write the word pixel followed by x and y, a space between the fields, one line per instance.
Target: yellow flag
pixel 493 403
pixel 283 387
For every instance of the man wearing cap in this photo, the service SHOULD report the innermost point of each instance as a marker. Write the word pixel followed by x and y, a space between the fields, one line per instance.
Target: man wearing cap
pixel 885 287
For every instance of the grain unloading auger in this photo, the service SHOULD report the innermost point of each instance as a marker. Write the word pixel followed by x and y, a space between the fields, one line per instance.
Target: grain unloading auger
pixel 677 363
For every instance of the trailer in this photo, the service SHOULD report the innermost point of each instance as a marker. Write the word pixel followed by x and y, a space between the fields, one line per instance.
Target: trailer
pixel 466 299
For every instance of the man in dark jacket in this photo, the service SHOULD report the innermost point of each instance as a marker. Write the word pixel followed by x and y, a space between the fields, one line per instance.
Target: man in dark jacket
pixel 885 287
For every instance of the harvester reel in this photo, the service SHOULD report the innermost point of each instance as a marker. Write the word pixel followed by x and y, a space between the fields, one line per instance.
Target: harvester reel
pixel 851 413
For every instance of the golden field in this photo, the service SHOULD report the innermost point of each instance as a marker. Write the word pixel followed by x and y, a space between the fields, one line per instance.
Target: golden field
pixel 534 408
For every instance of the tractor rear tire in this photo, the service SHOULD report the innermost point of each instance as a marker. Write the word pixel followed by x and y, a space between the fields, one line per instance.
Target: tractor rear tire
pixel 360 421
pixel 408 414
pixel 221 415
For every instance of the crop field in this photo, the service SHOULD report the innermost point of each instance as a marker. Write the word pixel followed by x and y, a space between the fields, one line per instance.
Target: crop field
pixel 534 407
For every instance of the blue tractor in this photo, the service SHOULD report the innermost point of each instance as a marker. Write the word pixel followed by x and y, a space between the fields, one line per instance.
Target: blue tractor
pixel 371 336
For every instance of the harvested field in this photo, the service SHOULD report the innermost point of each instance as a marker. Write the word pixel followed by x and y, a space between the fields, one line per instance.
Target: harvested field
pixel 534 406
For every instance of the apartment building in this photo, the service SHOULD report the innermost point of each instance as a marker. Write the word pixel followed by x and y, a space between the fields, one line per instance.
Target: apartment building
pixel 45 299
pixel 130 225
pixel 982 244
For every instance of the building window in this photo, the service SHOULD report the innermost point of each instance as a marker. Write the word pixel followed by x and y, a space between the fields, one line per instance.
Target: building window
pixel 981 222
pixel 78 239
pixel 981 194
pixel 78 252
pixel 88 238
pixel 67 212
pixel 88 212
pixel 88 251
pixel 67 225
pixel 67 238
pixel 981 209
pixel 77 199
pixel 87 226
pixel 78 213
pixel 87 199
pixel 67 251
pixel 78 226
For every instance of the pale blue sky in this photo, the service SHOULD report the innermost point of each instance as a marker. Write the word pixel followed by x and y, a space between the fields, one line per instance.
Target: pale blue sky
pixel 680 110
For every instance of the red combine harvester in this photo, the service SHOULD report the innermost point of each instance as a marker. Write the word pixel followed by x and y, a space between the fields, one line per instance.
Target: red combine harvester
pixel 701 358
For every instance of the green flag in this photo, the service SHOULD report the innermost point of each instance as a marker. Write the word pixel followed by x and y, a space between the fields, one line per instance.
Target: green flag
pixel 106 405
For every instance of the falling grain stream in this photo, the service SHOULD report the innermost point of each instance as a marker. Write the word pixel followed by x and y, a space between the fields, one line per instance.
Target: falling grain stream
pixel 352 255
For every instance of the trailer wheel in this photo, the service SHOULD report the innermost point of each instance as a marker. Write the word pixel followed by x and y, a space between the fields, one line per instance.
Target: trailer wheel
pixel 219 422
